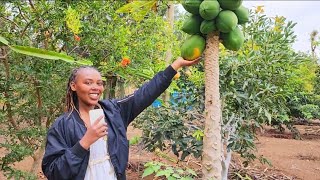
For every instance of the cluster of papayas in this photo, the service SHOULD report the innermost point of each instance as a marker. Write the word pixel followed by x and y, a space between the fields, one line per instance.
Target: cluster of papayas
pixel 207 16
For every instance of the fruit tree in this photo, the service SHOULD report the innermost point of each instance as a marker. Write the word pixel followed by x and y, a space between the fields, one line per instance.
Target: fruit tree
pixel 210 23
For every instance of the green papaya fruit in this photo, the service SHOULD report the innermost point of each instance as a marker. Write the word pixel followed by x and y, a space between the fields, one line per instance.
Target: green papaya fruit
pixel 208 26
pixel 192 6
pixel 193 47
pixel 209 9
pixel 232 40
pixel 242 14
pixel 192 24
pixel 226 21
pixel 230 4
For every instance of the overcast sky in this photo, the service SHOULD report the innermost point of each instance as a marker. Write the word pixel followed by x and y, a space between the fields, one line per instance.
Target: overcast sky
pixel 305 13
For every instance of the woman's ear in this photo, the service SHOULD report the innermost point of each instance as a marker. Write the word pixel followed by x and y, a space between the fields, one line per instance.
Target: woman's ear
pixel 73 86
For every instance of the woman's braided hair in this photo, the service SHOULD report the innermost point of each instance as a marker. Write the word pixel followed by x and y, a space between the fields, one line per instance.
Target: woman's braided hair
pixel 71 96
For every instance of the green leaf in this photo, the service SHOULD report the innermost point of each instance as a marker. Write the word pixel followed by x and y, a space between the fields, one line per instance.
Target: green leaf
pixel 171 178
pixel 73 20
pixel 187 178
pixel 156 167
pixel 138 9
pixel 176 175
pixel 4 41
pixel 161 173
pixel 190 171
pixel 181 171
pixel 42 53
pixel 198 134
pixel 136 6
pixel 147 172
pixel 85 62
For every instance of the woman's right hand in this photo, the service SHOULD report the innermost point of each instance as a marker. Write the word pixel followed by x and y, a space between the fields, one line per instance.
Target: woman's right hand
pixel 180 62
pixel 94 132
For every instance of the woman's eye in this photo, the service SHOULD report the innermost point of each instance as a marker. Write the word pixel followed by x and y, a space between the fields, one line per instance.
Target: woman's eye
pixel 88 83
pixel 100 83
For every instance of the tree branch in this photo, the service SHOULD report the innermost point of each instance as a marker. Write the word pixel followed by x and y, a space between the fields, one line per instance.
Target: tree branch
pixel 5 18
pixel 20 12
pixel 31 5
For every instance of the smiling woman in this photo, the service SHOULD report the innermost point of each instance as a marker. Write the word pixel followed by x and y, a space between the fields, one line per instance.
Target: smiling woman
pixel 77 147
pixel 86 83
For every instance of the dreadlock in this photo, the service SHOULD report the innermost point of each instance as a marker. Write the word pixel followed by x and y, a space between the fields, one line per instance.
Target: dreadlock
pixel 71 96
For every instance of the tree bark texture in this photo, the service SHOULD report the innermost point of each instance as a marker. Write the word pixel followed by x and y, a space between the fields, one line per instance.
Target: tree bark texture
pixel 170 19
pixel 212 144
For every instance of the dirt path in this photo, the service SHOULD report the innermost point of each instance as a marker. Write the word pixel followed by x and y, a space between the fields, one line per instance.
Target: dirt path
pixel 299 158
pixel 295 158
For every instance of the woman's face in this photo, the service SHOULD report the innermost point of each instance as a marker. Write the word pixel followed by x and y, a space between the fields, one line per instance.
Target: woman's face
pixel 88 85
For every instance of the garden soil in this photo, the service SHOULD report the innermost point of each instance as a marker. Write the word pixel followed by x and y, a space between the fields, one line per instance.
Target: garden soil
pixel 290 158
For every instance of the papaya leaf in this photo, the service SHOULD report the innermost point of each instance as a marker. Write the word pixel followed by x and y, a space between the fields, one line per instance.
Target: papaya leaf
pixel 4 41
pixel 41 53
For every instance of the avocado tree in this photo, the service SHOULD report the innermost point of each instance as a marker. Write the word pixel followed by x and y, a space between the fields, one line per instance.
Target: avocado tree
pixel 215 21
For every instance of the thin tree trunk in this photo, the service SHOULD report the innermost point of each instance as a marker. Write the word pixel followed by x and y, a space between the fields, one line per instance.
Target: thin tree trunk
pixel 212 144
pixel 111 84
pixel 39 100
pixel 6 95
pixel 120 84
pixel 37 158
pixel 170 19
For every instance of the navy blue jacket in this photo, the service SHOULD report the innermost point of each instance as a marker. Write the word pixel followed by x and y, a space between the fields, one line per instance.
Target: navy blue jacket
pixel 65 158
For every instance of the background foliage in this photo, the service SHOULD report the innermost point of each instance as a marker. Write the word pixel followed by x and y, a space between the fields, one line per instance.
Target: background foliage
pixel 265 83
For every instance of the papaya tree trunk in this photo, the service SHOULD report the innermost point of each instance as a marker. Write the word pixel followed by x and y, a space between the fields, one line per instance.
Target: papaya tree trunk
pixel 212 144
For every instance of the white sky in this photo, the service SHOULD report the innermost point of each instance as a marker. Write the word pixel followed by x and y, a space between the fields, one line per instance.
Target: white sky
pixel 305 13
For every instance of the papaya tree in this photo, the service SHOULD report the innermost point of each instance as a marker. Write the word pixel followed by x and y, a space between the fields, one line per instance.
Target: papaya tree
pixel 203 23
pixel 208 20
pixel 249 98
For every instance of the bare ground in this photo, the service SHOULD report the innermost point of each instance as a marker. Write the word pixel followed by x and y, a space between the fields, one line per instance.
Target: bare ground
pixel 291 159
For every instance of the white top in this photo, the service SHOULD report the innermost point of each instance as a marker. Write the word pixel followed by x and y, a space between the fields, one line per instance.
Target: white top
pixel 99 166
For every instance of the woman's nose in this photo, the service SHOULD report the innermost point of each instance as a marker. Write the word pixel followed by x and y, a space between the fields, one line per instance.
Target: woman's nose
pixel 95 86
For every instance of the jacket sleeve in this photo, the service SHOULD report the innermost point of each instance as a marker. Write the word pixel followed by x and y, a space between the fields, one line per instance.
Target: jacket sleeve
pixel 61 161
pixel 135 103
